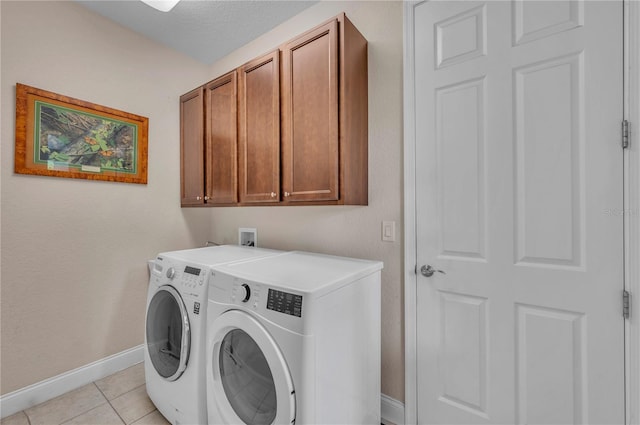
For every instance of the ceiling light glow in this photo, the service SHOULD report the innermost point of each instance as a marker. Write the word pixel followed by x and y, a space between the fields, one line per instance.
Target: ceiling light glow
pixel 161 5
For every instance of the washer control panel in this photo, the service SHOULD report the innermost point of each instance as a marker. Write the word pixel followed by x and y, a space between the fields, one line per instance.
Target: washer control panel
pixel 189 279
pixel 171 273
pixel 192 277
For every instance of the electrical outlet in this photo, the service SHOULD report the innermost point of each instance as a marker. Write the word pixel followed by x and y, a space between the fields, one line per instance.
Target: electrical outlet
pixel 247 236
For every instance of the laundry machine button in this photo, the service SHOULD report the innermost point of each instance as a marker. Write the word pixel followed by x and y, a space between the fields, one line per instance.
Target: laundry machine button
pixel 171 272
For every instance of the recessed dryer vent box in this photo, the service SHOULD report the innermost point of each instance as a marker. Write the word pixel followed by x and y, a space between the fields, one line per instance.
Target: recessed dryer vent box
pixel 247 236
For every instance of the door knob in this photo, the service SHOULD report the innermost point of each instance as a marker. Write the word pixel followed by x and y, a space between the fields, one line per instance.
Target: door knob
pixel 428 271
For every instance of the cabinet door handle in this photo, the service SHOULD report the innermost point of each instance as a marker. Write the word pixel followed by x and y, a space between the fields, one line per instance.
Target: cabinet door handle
pixel 273 194
pixel 198 198
pixel 206 198
pixel 287 194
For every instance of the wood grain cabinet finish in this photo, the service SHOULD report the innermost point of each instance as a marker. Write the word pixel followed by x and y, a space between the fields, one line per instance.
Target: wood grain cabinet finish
pixel 191 148
pixel 259 129
pixel 324 116
pixel 315 146
pixel 221 140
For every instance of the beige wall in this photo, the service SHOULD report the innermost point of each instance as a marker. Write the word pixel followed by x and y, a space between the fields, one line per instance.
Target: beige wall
pixel 351 231
pixel 74 252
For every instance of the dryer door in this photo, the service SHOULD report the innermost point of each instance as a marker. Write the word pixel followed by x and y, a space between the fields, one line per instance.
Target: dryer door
pixel 168 333
pixel 251 378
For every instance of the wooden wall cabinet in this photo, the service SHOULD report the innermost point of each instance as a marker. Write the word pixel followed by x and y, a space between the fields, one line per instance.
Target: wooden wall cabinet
pixel 324 116
pixel 259 122
pixel 299 135
pixel 191 149
pixel 221 140
pixel 208 144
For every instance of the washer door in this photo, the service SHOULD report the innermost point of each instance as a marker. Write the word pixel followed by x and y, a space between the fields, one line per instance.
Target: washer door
pixel 168 333
pixel 251 380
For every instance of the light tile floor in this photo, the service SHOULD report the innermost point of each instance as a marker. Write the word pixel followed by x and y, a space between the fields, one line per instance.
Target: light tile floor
pixel 118 399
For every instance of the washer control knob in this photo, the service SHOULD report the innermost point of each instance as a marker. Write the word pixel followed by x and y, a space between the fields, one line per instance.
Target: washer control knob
pixel 245 292
pixel 171 272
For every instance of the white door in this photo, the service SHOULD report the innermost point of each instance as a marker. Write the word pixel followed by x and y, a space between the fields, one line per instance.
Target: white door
pixel 518 107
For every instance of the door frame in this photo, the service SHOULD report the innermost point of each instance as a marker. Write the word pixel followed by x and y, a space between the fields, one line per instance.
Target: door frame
pixel 632 207
pixel 631 213
pixel 410 249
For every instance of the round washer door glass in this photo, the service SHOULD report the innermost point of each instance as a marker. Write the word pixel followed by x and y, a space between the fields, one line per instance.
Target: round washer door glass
pixel 247 379
pixel 168 333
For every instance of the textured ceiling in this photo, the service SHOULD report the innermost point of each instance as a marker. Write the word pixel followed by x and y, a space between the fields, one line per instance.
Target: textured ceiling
pixel 206 30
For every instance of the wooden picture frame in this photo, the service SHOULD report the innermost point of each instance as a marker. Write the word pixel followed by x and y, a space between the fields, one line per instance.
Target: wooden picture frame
pixel 60 136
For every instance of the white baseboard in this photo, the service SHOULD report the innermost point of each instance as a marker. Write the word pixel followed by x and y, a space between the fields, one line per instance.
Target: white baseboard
pixel 391 410
pixel 42 391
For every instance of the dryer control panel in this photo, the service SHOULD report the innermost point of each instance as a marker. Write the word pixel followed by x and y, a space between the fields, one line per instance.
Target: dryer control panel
pixel 279 305
pixel 284 302
pixel 244 293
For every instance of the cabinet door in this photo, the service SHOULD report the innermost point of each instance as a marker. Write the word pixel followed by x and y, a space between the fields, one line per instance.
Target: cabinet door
pixel 191 148
pixel 259 123
pixel 310 116
pixel 221 140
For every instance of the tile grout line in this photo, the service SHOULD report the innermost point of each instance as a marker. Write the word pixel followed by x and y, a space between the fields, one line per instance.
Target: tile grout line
pixel 130 391
pixel 106 399
pixel 120 395
pixel 71 418
pixel 110 405
pixel 86 411
pixel 150 413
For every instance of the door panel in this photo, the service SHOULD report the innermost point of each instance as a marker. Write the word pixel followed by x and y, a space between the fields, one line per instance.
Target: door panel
pixel 548 120
pixel 310 116
pixel 259 129
pixel 222 140
pixel 518 159
pixel 554 339
pixel 461 170
pixel 191 148
pixel 463 355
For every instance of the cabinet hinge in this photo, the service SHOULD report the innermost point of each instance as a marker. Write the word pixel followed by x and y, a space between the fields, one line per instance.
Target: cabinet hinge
pixel 626 304
pixel 625 134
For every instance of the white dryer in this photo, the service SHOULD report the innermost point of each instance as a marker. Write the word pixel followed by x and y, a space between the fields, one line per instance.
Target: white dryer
pixel 294 338
pixel 175 328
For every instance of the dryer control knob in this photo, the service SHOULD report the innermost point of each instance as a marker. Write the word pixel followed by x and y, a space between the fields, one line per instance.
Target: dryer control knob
pixel 246 291
pixel 171 272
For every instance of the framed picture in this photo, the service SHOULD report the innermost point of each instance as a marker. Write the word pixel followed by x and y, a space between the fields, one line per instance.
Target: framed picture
pixel 64 137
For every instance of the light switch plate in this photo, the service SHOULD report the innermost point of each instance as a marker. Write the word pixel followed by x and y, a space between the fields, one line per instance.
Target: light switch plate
pixel 389 231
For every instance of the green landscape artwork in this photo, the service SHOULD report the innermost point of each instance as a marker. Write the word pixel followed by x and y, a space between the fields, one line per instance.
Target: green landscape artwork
pixel 68 138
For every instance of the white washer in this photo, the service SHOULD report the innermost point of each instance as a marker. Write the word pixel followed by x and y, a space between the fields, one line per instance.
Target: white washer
pixel 294 338
pixel 175 328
